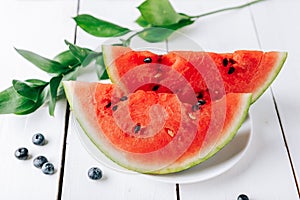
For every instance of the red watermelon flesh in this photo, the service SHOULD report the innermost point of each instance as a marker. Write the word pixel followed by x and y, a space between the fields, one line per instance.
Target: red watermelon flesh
pixel 216 129
pixel 210 75
pixel 154 132
pixel 139 123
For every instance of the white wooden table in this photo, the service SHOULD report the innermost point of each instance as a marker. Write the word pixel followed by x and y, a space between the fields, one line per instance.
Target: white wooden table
pixel 270 169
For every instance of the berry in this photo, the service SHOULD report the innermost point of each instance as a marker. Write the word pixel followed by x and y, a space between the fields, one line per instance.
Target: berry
pixel 38 139
pixel 242 197
pixel 39 161
pixel 21 153
pixel 95 173
pixel 48 168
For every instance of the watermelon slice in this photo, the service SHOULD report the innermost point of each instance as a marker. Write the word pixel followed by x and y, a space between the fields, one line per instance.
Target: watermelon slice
pixel 153 132
pixel 193 75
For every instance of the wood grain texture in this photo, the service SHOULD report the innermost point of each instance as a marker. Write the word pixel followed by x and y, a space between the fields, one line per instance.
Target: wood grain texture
pixel 39 26
pixel 282 33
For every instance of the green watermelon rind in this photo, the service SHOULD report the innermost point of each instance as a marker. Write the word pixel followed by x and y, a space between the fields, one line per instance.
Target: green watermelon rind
pixel 282 56
pixel 108 62
pixel 219 147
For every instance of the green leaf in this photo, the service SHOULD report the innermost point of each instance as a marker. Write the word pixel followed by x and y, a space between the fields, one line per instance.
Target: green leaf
pixel 90 58
pixel 36 82
pixel 159 13
pixel 41 100
pixel 159 34
pixel 98 27
pixel 45 64
pixel 23 97
pixel 142 22
pixel 86 56
pixel 25 90
pixel 12 102
pixel 100 68
pixel 180 24
pixel 67 59
pixel 54 84
pixel 72 75
pixel 78 52
pixel 155 34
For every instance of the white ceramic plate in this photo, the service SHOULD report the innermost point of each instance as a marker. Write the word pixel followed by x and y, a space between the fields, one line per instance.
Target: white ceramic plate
pixel 216 165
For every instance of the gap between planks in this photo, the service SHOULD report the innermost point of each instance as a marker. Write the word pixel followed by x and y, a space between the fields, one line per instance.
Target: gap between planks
pixel 66 128
pixel 177 191
pixel 277 113
pixel 177 186
pixel 285 143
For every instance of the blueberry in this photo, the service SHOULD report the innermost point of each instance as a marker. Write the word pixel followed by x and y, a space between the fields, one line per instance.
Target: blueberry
pixel 48 168
pixel 39 161
pixel 95 173
pixel 38 139
pixel 21 153
pixel 242 197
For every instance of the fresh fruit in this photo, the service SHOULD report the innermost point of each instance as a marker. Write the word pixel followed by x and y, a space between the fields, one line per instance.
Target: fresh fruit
pixel 193 75
pixel 39 161
pixel 153 132
pixel 48 168
pixel 21 153
pixel 95 173
pixel 38 139
pixel 242 197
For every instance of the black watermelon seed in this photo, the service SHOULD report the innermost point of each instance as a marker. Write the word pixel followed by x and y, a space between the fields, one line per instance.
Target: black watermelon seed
pixel 231 61
pixel 195 108
pixel 108 105
pixel 155 87
pixel 137 128
pixel 231 70
pixel 123 98
pixel 147 60
pixel 199 95
pixel 201 102
pixel 159 58
pixel 115 107
pixel 225 62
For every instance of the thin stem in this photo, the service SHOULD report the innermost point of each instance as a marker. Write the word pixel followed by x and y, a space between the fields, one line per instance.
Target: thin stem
pixel 128 40
pixel 226 9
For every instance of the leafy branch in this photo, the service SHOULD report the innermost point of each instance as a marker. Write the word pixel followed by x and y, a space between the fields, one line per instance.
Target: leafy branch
pixel 24 97
pixel 158 20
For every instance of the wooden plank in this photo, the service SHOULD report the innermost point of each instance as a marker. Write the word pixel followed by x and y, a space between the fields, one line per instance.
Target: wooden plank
pixel 282 33
pixel 264 171
pixel 115 185
pixel 39 26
